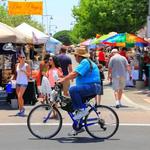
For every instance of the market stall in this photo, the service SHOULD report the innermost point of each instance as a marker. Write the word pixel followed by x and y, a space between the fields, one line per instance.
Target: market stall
pixel 36 35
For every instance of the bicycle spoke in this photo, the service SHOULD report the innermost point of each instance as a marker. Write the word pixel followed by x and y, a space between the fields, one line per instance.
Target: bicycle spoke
pixel 103 123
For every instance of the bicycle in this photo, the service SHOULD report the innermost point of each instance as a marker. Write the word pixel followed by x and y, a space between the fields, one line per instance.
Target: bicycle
pixel 101 122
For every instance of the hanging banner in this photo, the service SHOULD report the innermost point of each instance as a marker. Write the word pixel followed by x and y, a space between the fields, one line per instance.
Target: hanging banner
pixel 25 7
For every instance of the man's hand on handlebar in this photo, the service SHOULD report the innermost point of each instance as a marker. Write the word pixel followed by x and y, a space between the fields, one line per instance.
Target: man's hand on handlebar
pixel 60 80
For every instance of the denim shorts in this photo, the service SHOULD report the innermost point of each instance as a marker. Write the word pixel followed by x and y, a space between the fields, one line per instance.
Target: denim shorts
pixel 21 85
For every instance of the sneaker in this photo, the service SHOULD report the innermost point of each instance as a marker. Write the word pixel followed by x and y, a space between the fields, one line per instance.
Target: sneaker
pixel 117 103
pixel 21 113
pixel 80 113
pixel 118 106
pixel 74 132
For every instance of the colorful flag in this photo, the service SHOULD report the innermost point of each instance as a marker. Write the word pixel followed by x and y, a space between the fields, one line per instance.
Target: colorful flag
pixel 25 7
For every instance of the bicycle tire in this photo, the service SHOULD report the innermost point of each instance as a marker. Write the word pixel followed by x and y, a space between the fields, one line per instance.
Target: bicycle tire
pixel 97 122
pixel 40 123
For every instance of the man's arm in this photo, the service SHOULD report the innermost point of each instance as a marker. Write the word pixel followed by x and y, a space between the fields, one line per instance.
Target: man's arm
pixel 70 76
pixel 70 68
pixel 109 73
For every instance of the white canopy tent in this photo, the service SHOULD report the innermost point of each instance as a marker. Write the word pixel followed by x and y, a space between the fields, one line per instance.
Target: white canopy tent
pixel 37 36
pixel 10 34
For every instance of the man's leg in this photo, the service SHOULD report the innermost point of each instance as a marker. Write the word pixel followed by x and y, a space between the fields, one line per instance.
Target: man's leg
pixel 120 94
pixel 122 83
pixel 115 85
pixel 76 97
pixel 77 93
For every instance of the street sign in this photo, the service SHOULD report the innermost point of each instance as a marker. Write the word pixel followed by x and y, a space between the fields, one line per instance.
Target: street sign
pixel 25 7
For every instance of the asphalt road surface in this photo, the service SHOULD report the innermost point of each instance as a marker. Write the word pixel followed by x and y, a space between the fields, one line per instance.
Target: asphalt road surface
pixel 127 138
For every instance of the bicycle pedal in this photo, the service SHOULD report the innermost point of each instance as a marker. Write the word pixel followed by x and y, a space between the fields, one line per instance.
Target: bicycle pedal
pixel 80 131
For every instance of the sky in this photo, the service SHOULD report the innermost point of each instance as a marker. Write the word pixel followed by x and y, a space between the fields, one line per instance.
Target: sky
pixel 60 10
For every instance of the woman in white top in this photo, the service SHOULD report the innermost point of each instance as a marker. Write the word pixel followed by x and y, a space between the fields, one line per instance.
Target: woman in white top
pixel 23 72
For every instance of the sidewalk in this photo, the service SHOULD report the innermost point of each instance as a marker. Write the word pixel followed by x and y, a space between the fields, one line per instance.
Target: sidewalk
pixel 140 97
pixel 136 107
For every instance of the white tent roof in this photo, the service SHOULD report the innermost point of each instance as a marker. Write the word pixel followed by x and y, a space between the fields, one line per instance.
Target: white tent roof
pixel 10 34
pixel 37 36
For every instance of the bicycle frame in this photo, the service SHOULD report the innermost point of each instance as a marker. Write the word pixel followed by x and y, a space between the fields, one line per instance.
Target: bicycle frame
pixel 81 122
pixel 76 123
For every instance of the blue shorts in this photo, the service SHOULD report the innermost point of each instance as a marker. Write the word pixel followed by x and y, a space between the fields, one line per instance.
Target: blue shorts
pixel 21 85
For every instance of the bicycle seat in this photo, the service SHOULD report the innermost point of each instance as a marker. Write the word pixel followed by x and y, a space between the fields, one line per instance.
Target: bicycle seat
pixel 87 98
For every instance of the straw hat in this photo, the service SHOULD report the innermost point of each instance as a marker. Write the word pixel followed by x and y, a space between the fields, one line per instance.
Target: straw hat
pixel 81 51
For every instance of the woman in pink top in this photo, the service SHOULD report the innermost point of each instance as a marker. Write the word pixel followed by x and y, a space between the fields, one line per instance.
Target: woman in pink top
pixel 54 72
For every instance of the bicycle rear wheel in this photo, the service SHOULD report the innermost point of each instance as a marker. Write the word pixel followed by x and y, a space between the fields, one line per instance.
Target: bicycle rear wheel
pixel 102 123
pixel 41 123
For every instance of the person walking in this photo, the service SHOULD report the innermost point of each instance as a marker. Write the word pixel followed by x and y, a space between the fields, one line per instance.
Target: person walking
pixel 23 72
pixel 66 65
pixel 101 57
pixel 117 71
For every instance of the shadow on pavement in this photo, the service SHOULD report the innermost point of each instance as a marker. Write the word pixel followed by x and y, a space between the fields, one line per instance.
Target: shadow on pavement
pixel 76 140
pixel 4 105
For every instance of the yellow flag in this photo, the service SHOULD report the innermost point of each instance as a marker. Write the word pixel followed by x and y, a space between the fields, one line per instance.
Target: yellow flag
pixel 25 7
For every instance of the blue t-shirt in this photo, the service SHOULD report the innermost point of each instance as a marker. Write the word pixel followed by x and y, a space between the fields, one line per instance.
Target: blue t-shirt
pixel 86 73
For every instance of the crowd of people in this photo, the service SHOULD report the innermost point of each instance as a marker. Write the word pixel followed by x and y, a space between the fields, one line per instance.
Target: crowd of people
pixel 89 74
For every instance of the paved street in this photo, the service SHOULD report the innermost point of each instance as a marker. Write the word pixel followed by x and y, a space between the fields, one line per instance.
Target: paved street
pixel 127 138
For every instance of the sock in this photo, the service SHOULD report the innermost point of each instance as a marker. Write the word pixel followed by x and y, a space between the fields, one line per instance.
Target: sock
pixel 117 102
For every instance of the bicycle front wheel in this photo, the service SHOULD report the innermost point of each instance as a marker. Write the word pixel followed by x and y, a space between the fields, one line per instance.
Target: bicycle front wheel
pixel 102 123
pixel 42 123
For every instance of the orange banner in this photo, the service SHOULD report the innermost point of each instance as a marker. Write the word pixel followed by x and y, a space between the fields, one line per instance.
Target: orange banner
pixel 25 8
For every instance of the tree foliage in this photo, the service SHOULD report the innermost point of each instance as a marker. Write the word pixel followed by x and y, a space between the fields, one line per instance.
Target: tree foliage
pixel 103 16
pixel 66 37
pixel 17 19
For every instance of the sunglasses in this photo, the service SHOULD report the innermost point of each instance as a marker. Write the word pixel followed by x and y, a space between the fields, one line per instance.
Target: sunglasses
pixel 21 57
pixel 50 59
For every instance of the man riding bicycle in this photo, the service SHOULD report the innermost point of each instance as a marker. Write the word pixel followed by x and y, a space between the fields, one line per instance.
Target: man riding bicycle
pixel 87 81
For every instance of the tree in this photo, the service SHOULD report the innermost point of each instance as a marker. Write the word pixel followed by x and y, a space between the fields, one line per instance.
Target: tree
pixel 65 36
pixel 17 19
pixel 103 16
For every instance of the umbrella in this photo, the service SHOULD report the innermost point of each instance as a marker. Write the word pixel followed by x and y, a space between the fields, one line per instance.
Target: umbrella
pixel 103 37
pixel 125 40
pixel 86 42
